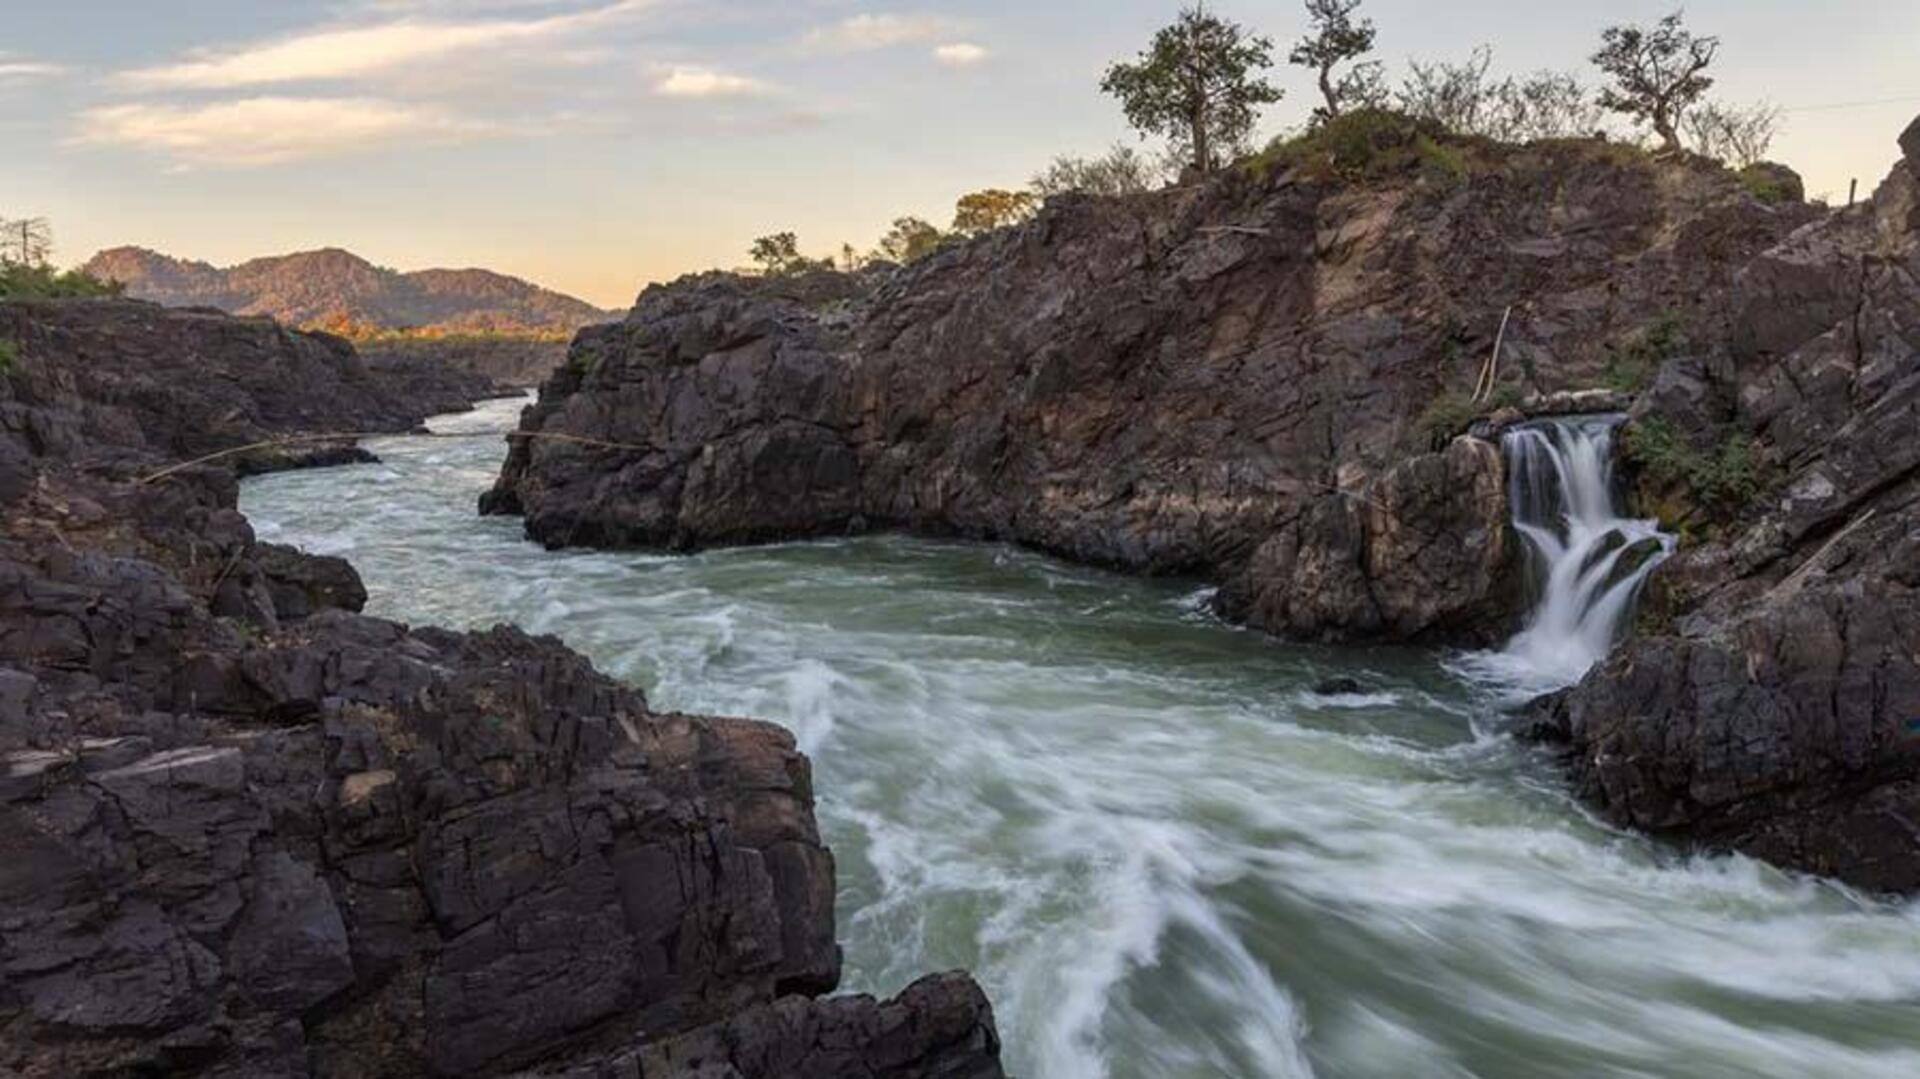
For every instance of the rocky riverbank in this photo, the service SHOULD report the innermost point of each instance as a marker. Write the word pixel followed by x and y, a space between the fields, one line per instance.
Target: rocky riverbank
pixel 1264 381
pixel 1772 700
pixel 1254 380
pixel 248 831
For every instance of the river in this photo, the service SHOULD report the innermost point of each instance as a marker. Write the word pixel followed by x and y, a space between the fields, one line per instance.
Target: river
pixel 1162 854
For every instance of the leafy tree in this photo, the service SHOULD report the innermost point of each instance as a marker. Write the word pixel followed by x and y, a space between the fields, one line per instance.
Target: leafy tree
pixel 850 260
pixel 1738 135
pixel 1198 85
pixel 778 254
pixel 26 241
pixel 910 240
pixel 1657 73
pixel 1120 171
pixel 1337 38
pixel 984 211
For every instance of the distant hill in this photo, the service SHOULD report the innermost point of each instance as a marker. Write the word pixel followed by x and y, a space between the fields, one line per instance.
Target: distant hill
pixel 340 291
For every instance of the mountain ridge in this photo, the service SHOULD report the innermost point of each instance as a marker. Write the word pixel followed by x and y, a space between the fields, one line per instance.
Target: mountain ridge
pixel 334 289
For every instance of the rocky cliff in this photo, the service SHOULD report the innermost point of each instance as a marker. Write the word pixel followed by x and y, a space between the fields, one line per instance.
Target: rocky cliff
pixel 1772 701
pixel 246 831
pixel 1255 381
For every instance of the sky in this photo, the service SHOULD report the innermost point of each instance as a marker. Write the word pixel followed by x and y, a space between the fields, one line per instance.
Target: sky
pixel 598 145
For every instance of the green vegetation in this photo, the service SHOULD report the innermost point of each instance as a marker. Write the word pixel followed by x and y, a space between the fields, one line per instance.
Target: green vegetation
pixel 1721 478
pixel 21 281
pixel 1370 144
pixel 1453 412
pixel 9 355
pixel 1770 184
pixel 1199 85
pixel 1635 361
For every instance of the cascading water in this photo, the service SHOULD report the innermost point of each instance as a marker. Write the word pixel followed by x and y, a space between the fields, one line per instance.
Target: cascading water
pixel 1588 559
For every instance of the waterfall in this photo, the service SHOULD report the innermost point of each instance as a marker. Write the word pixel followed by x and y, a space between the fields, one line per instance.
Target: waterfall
pixel 1588 560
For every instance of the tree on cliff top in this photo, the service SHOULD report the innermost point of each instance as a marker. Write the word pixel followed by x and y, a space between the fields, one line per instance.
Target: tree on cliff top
pixel 779 255
pixel 1198 85
pixel 984 211
pixel 1657 73
pixel 1336 38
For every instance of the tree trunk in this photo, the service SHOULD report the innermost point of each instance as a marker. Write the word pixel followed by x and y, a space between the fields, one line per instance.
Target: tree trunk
pixel 1202 149
pixel 1663 127
pixel 1326 91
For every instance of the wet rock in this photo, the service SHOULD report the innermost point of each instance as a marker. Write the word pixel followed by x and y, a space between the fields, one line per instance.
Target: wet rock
pixel 1337 687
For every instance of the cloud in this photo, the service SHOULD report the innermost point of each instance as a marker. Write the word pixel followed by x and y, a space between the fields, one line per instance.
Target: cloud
pixel 16 68
pixel 864 33
pixel 961 54
pixel 348 52
pixel 697 82
pixel 269 130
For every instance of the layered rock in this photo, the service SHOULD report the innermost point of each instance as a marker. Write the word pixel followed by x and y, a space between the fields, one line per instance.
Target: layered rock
pixel 1221 380
pixel 1772 702
pixel 246 831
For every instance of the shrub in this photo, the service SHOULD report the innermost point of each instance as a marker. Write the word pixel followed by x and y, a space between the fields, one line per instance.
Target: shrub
pixel 9 355
pixel 1368 144
pixel 1772 183
pixel 19 281
pixel 1722 478
pixel 1451 413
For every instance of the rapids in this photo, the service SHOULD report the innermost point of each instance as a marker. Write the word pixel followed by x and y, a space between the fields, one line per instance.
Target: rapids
pixel 1158 850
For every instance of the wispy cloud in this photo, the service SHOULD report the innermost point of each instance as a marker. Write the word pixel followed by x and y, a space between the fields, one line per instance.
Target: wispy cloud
pixel 352 52
pixel 16 68
pixel 961 54
pixel 685 81
pixel 269 130
pixel 864 33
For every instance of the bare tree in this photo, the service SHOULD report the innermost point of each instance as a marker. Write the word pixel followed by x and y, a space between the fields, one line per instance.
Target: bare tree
pixel 1657 73
pixel 1457 96
pixel 26 241
pixel 1465 97
pixel 1335 38
pixel 1738 135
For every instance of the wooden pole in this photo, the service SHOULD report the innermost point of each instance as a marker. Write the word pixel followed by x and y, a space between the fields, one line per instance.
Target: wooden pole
pixel 1853 190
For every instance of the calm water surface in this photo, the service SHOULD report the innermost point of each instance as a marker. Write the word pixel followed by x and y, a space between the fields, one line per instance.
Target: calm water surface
pixel 1157 850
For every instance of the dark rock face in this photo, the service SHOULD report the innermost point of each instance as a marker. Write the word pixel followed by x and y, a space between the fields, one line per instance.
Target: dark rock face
pixel 1777 708
pixel 182 383
pixel 245 831
pixel 1217 381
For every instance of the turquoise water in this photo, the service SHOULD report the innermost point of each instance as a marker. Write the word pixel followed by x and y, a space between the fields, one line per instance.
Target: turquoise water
pixel 1162 855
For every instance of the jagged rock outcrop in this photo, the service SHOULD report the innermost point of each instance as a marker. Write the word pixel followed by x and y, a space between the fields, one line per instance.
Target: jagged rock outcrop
pixel 1773 703
pixel 246 831
pixel 135 379
pixel 1210 381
